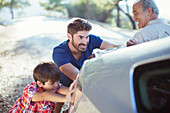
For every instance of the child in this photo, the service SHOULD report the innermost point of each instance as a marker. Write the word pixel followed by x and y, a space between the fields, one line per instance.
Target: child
pixel 42 95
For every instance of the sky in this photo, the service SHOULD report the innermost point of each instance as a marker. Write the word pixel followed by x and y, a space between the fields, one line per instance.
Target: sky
pixel 164 8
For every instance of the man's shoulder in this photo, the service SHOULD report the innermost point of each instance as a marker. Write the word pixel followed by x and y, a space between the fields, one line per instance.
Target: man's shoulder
pixel 93 36
pixel 145 30
pixel 61 47
pixel 143 33
pixel 152 28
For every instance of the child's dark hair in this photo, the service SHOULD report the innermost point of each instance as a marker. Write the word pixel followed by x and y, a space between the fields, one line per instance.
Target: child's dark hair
pixel 46 71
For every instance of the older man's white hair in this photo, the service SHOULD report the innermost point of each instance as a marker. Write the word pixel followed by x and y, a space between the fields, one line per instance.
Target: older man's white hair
pixel 149 3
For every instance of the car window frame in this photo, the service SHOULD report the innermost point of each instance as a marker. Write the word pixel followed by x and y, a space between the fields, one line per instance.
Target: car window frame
pixel 135 100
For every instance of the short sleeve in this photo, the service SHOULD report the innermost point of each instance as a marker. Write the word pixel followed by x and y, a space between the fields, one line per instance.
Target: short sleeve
pixel 95 41
pixel 59 56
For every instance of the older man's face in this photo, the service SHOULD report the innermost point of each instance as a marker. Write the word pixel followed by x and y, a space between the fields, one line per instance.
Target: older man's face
pixel 140 16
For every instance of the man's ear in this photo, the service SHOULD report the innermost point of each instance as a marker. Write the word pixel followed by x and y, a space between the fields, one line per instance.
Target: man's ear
pixel 40 84
pixel 150 11
pixel 69 36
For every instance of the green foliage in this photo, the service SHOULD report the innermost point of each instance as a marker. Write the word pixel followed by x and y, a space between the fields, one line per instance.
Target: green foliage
pixel 125 23
pixel 11 4
pixel 99 9
pixel 14 3
pixel 77 9
pixel 2 3
pixel 53 5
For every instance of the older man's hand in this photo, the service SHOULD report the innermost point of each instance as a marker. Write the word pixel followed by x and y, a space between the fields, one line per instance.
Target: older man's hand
pixel 131 42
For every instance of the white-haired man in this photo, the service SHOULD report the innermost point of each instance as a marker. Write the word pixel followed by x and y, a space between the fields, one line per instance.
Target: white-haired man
pixel 145 13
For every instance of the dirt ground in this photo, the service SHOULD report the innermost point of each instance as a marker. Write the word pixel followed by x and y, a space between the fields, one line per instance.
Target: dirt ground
pixel 23 45
pixel 26 42
pixel 14 72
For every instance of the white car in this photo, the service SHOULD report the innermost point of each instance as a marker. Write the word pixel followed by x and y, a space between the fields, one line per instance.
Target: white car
pixel 134 79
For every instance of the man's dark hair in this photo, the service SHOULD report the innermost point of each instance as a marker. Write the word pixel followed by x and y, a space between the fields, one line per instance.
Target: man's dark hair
pixel 78 24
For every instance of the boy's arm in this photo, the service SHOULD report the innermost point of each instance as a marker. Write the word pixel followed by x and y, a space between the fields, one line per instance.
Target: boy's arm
pixel 63 90
pixel 50 96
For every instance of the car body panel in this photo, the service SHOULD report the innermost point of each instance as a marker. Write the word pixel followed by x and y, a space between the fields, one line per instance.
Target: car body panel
pixel 105 80
pixel 85 106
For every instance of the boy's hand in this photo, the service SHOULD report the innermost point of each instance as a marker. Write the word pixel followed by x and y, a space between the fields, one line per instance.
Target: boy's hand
pixel 72 91
pixel 73 87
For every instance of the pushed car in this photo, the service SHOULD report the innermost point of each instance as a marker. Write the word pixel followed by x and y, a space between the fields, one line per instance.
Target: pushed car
pixel 134 79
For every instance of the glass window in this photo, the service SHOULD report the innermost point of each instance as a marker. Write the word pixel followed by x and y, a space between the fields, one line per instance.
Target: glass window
pixel 158 91
pixel 152 87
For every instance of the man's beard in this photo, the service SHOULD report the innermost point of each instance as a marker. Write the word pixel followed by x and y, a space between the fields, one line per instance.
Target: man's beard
pixel 77 47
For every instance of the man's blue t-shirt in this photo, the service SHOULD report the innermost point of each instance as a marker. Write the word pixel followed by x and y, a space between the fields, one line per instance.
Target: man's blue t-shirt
pixel 62 55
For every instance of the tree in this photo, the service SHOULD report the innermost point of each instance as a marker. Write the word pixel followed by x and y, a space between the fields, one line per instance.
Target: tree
pixel 53 5
pixel 92 17
pixel 78 8
pixel 126 13
pixel 109 6
pixel 102 9
pixel 118 16
pixel 99 10
pixel 11 4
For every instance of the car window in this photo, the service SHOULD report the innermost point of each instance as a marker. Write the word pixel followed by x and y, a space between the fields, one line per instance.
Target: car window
pixel 152 87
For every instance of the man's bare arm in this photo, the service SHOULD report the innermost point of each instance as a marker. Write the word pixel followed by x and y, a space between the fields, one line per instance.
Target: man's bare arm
pixel 107 45
pixel 69 70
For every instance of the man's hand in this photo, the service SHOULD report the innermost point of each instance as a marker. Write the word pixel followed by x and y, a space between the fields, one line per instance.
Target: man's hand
pixel 131 42
pixel 69 70
pixel 92 56
pixel 71 94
